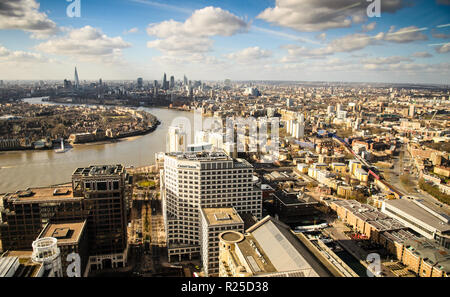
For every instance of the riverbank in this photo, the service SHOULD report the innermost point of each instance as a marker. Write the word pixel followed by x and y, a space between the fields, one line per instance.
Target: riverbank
pixel 33 168
pixel 141 122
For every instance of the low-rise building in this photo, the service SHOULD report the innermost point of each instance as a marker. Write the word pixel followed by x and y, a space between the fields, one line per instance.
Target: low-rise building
pixel 420 218
pixel 267 249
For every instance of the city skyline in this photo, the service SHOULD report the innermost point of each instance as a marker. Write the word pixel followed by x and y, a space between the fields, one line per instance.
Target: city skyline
pixel 298 40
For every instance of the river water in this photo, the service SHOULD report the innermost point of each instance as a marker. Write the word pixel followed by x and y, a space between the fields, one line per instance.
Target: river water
pixel 23 169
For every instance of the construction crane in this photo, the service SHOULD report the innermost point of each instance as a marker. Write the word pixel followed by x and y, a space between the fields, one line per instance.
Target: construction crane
pixel 432 118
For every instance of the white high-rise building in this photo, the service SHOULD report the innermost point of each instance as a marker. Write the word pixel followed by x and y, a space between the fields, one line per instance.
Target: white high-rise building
pixel 176 139
pixel 192 181
pixel 299 130
pixel 330 110
pixel 214 221
pixel 412 110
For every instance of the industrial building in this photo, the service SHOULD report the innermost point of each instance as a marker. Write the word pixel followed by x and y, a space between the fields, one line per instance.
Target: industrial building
pixel 267 249
pixel 420 218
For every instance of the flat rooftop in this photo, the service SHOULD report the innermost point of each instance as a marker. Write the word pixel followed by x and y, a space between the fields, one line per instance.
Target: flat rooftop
pixel 274 248
pixel 419 213
pixel 295 198
pixel 42 194
pixel 200 156
pixel 99 170
pixel 65 233
pixel 221 216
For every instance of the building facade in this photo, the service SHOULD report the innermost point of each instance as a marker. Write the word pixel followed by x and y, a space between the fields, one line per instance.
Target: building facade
pixel 191 181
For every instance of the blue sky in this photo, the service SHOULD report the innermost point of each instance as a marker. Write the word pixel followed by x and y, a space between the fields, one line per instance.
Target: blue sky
pixel 327 40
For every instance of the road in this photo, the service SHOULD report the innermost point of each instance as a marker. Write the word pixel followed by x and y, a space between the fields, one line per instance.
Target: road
pixel 393 176
pixel 336 231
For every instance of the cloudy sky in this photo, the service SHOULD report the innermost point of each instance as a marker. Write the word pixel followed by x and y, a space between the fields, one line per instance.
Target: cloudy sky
pixel 320 40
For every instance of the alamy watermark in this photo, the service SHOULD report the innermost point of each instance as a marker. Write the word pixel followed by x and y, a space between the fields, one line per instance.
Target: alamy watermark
pixel 248 135
pixel 374 267
pixel 374 8
pixel 74 9
pixel 74 268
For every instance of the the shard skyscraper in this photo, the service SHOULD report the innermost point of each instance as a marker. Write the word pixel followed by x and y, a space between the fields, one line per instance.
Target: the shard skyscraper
pixel 77 81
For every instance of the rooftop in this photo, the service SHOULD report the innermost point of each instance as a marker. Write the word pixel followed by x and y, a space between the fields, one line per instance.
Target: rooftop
pixel 419 213
pixel 40 194
pixel 431 252
pixel 26 268
pixel 66 233
pixel 200 156
pixel 221 216
pixel 99 170
pixel 274 249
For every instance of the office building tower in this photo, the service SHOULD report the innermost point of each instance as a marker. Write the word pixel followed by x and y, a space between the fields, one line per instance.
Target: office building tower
pixel 252 92
pixel 67 84
pixel 341 114
pixel 172 82
pixel 301 118
pixel 164 82
pixel 72 238
pixel 213 222
pixel 298 130
pixel 99 194
pixel 106 193
pixel 330 110
pixel 140 82
pixel 77 81
pixel 191 181
pixel 412 110
pixel 100 82
pixel 289 102
pixel 176 139
pixel 185 81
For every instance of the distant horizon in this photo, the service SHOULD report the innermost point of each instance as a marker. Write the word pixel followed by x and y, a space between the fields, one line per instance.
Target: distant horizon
pixel 273 40
pixel 232 80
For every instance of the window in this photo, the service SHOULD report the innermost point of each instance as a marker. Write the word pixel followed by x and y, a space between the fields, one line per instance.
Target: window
pixel 101 186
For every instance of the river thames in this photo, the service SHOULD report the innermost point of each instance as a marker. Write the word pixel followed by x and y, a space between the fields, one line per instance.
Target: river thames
pixel 23 169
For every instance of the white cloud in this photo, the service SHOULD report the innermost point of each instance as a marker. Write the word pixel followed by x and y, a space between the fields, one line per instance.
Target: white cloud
pixel 87 44
pixel 319 15
pixel 369 27
pixel 249 55
pixel 194 35
pixel 322 36
pixel 176 44
pixel 354 42
pixel 404 35
pixel 131 31
pixel 422 55
pixel 386 60
pixel 347 43
pixel 437 34
pixel 441 49
pixel 25 15
pixel 209 21
pixel 20 57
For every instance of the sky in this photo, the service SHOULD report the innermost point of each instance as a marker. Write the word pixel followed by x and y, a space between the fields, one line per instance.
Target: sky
pixel 397 41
